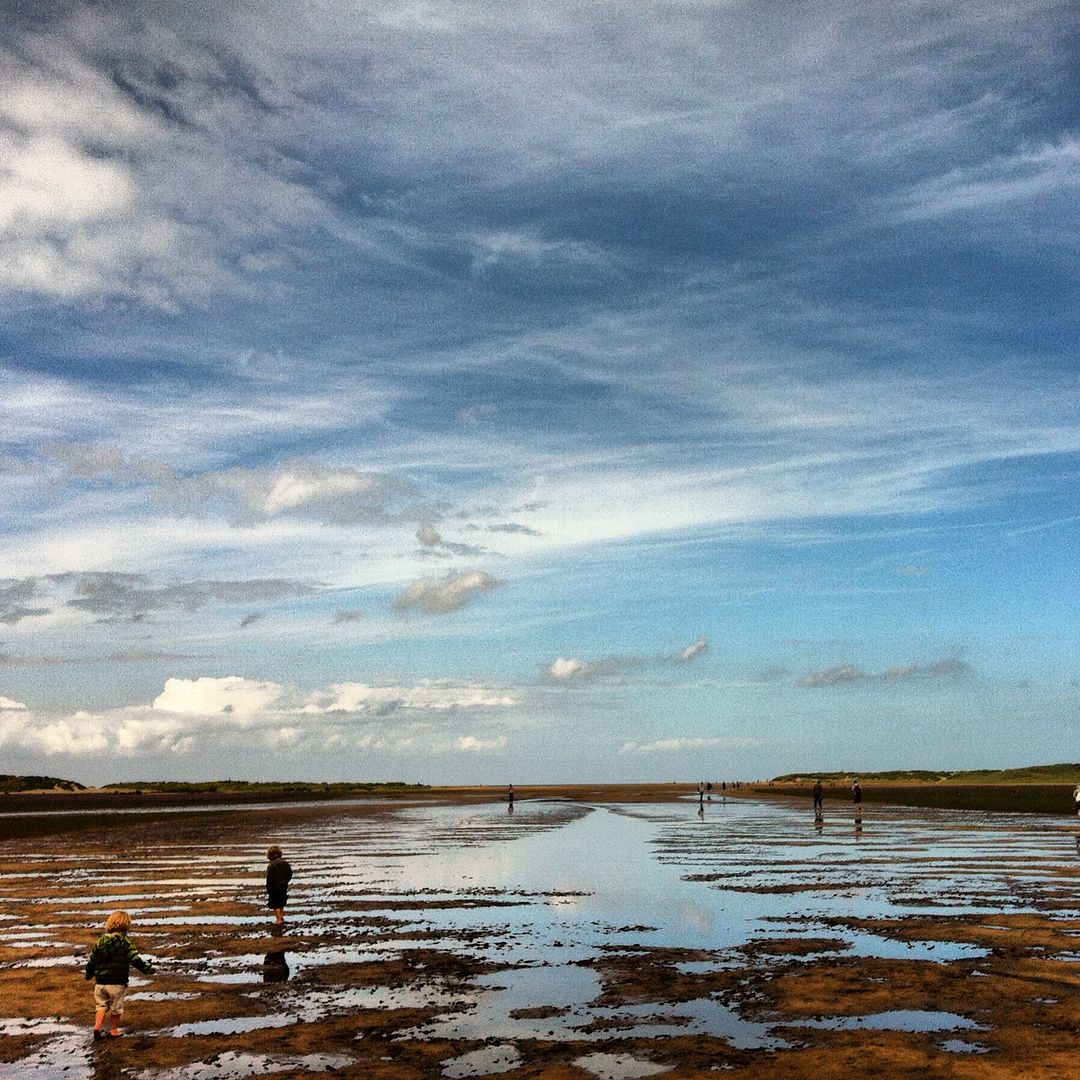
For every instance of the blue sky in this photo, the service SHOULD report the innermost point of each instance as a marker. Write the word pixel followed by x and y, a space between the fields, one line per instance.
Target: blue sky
pixel 580 392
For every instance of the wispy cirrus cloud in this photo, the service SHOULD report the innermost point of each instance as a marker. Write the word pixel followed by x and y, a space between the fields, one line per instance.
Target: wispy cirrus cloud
pixel 999 184
pixel 684 743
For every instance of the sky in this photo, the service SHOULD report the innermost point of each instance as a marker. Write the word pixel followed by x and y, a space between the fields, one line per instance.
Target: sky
pixel 462 393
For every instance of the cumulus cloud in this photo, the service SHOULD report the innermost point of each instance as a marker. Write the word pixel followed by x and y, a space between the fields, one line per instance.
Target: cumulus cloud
pixel 210 713
pixel 565 669
pixel 948 667
pixel 471 744
pixel 208 696
pixel 439 596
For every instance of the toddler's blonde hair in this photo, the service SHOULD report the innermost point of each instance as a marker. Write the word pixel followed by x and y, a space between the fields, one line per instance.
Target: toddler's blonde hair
pixel 119 922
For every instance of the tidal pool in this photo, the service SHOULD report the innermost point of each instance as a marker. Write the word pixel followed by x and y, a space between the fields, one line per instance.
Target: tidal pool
pixel 601 929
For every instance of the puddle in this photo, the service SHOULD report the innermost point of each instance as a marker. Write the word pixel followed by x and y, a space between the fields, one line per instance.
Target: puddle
pixel 618 1066
pixel 959 1046
pixel 914 1020
pixel 234 1066
pixel 154 995
pixel 67 1056
pixel 315 1005
pixel 559 1003
pixel 483 1062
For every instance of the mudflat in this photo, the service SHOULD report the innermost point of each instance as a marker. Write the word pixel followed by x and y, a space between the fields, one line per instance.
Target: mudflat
pixel 592 932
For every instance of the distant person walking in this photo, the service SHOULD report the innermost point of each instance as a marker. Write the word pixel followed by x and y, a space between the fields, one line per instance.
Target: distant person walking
pixel 819 796
pixel 108 966
pixel 510 794
pixel 278 876
pixel 856 792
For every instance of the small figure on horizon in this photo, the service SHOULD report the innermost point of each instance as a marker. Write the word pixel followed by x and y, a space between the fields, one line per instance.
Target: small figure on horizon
pixel 819 796
pixel 701 793
pixel 108 966
pixel 278 876
pixel 856 792
pixel 708 791
pixel 510 794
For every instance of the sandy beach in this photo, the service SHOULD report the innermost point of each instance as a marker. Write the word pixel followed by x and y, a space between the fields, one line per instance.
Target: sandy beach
pixel 591 933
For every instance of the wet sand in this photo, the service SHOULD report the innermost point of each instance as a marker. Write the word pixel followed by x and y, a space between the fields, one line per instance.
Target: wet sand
pixel 620 933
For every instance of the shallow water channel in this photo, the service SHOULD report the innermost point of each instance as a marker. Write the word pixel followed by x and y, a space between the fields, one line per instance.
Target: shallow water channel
pixel 543 898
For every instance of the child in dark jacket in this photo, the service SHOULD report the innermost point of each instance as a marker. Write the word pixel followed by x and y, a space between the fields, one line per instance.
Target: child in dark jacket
pixel 278 876
pixel 108 965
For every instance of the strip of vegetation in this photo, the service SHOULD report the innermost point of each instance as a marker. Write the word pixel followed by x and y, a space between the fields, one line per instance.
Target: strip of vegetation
pixel 245 787
pixel 1053 799
pixel 1030 774
pixel 37 783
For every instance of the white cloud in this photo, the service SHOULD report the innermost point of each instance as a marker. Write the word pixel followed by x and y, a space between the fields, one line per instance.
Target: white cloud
pixel 234 715
pixel 508 247
pixel 437 696
pixel 566 668
pixel 71 223
pixel 438 596
pixel 295 488
pixel 998 184
pixel 696 649
pixel 471 744
pixel 210 696
pixel 667 746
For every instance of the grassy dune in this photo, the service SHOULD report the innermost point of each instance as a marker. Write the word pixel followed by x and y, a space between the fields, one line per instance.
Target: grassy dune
pixel 1029 774
pixel 1034 789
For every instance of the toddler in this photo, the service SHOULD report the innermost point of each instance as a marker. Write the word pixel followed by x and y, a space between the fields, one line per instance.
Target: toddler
pixel 108 966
